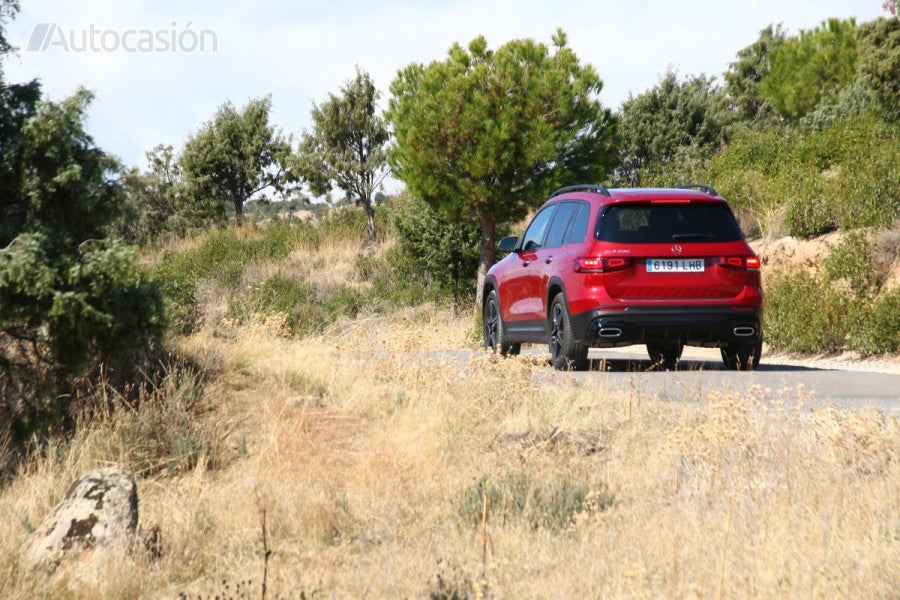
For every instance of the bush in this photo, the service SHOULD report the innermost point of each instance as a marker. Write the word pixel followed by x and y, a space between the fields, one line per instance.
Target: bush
pixel 222 256
pixel 808 219
pixel 346 302
pixel 844 175
pixel 61 312
pixel 278 295
pixel 878 329
pixel 400 282
pixel 853 260
pixel 435 248
pixel 845 308
pixel 805 314
pixel 69 295
pixel 344 223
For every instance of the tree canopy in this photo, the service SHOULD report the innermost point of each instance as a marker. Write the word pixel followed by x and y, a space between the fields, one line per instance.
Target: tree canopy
pixel 671 120
pixel 811 66
pixel 235 155
pixel 8 10
pixel 878 45
pixel 492 132
pixel 744 75
pixel 154 199
pixel 346 148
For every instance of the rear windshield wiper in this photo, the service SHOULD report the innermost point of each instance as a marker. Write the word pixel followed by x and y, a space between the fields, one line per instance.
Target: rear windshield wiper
pixel 683 237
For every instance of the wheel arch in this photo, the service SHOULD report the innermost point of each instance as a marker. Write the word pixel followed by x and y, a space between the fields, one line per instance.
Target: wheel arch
pixel 554 286
pixel 490 285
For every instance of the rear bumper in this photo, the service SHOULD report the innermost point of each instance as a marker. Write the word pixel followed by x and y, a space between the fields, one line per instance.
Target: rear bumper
pixel 711 326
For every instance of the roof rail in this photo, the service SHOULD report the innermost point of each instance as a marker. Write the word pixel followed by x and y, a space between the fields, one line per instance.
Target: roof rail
pixel 706 189
pixel 586 187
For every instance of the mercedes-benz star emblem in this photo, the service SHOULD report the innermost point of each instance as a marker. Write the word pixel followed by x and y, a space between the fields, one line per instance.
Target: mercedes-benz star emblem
pixel 677 249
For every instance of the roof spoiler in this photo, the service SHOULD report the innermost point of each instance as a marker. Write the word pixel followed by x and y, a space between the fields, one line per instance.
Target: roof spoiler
pixel 706 189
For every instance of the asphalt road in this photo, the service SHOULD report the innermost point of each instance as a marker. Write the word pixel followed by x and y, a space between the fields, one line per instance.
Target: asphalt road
pixel 700 372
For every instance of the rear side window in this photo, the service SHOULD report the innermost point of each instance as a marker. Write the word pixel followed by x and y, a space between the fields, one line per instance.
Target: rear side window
pixel 664 223
pixel 578 228
pixel 561 224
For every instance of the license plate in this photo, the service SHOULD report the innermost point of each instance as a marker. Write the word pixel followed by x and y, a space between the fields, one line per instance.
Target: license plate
pixel 674 265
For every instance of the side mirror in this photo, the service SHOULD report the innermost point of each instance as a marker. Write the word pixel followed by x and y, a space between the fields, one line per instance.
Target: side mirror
pixel 508 244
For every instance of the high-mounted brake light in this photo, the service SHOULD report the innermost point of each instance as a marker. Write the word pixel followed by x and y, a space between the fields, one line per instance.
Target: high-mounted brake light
pixel 593 264
pixel 671 201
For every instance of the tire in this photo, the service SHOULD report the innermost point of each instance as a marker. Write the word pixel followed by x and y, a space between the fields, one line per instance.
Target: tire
pixel 742 357
pixel 492 327
pixel 566 354
pixel 666 354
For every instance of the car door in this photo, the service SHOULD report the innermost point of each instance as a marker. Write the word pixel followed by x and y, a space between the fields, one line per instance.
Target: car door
pixel 552 254
pixel 521 294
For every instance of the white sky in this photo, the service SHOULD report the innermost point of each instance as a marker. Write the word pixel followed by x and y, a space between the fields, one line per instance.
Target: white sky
pixel 300 51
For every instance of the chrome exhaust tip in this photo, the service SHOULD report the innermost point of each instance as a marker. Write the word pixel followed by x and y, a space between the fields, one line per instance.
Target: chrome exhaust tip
pixel 610 332
pixel 744 331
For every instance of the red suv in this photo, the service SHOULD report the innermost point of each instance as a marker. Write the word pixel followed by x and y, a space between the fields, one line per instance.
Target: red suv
pixel 606 268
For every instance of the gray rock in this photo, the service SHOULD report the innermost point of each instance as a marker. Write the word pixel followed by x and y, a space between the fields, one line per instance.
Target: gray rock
pixel 98 517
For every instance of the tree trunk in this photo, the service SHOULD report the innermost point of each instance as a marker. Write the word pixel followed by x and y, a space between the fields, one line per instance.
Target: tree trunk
pixel 239 211
pixel 488 248
pixel 370 218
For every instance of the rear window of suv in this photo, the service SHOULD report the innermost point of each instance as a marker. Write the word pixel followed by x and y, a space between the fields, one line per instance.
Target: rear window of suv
pixel 639 223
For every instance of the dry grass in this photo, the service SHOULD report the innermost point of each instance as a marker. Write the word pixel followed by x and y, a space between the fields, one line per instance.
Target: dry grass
pixel 364 446
pixel 361 449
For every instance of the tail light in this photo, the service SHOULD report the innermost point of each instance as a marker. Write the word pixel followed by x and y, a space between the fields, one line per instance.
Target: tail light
pixel 595 264
pixel 742 263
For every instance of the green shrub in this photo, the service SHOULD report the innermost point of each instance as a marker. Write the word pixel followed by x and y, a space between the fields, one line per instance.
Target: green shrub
pixel 851 102
pixel 878 329
pixel 436 249
pixel 515 497
pixel 397 281
pixel 403 284
pixel 346 302
pixel 70 295
pixel 344 223
pixel 844 175
pixel 369 265
pixel 309 313
pixel 808 313
pixel 61 312
pixel 808 218
pixel 280 238
pixel 278 294
pixel 853 260
pixel 223 256
pixel 805 314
